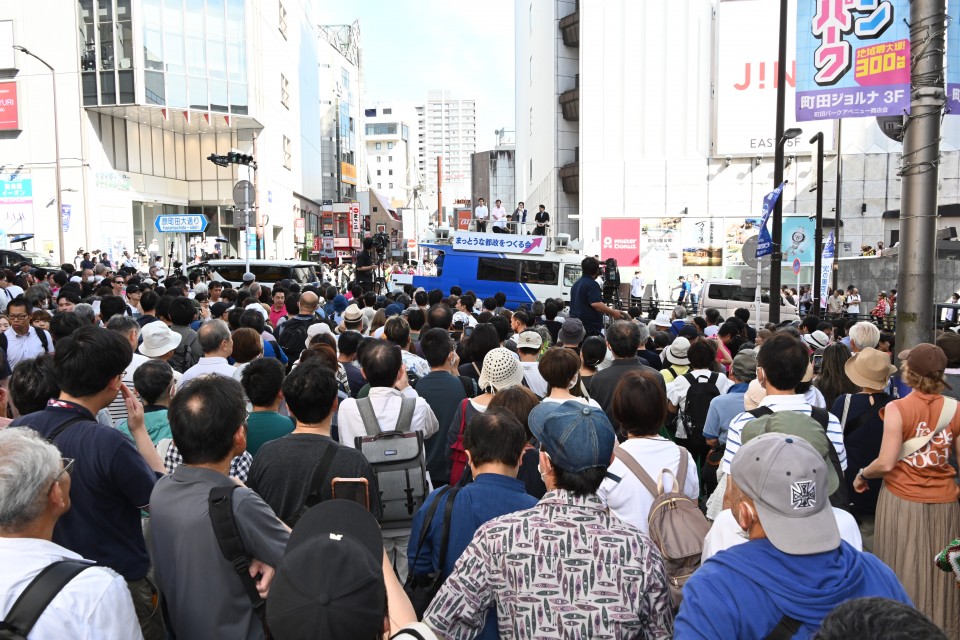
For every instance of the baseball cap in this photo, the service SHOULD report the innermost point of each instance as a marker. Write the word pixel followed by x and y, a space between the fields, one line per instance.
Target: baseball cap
pixel 797 424
pixel 501 370
pixel 575 435
pixel 217 309
pixel 745 365
pixel 927 360
pixel 529 340
pixel 787 480
pixel 133 288
pixel 572 332
pixel 249 277
pixel 340 303
pixel 158 339
pixel 330 582
pixel 393 309
pixel 677 351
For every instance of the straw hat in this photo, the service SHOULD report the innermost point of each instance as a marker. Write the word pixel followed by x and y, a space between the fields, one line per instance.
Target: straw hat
pixel 869 369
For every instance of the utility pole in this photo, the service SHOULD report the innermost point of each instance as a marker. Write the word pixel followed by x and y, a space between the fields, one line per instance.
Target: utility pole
pixel 773 314
pixel 919 167
pixel 256 199
pixel 818 231
pixel 439 191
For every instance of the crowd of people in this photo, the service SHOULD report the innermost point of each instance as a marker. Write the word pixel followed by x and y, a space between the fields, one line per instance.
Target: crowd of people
pixel 185 459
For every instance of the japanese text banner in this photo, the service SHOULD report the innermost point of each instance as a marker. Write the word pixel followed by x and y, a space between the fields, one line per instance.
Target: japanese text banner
pixel 853 59
pixel 500 243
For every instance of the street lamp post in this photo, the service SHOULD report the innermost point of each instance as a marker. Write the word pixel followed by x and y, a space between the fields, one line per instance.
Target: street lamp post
pixel 56 146
pixel 818 231
pixel 777 257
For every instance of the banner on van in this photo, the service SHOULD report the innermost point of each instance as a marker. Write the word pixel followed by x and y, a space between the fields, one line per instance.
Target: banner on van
pixel 620 240
pixel 500 243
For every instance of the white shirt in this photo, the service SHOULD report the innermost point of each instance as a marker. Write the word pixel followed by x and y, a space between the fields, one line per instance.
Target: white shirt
pixel 726 533
pixel 481 213
pixel 499 216
pixel 464 317
pixel 677 391
pixel 386 405
pixel 94 605
pixel 535 381
pixel 26 346
pixel 206 366
pixel 414 363
pixel 636 287
pixel 791 402
pixel 627 498
pixel 853 303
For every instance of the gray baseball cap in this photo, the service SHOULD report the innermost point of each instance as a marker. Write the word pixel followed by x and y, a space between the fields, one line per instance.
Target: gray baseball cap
pixel 787 480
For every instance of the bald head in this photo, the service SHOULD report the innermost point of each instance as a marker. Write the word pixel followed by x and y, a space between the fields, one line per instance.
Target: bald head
pixel 308 303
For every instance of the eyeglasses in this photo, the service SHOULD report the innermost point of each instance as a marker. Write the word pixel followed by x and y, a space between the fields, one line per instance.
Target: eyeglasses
pixel 67 466
pixel 17 316
pixel 118 282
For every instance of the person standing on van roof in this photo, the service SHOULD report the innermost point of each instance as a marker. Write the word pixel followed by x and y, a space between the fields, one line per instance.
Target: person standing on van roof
pixel 481 214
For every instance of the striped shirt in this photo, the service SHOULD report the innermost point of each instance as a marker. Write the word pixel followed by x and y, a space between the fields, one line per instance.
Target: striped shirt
pixel 781 403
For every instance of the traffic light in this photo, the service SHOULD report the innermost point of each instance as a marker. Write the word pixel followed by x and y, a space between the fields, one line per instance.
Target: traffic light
pixel 233 157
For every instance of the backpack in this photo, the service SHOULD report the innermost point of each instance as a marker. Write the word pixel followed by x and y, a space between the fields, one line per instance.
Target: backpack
pixel 458 455
pixel 41 335
pixel 293 338
pixel 676 525
pixel 38 595
pixel 183 357
pixel 423 588
pixel 398 463
pixel 697 405
pixel 821 417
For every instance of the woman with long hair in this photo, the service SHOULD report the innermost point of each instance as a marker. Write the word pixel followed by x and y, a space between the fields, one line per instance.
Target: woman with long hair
pixel 917 511
pixel 833 381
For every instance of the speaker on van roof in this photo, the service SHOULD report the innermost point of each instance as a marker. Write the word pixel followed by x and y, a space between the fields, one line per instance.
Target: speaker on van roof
pixel 443 233
pixel 562 240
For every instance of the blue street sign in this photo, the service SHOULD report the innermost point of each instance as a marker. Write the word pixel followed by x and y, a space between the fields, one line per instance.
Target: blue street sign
pixel 190 223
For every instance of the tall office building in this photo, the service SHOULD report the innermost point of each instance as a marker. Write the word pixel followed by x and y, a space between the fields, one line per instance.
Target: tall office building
pixel 450 127
pixel 391 133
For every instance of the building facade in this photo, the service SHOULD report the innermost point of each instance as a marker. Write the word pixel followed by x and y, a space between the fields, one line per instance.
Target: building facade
pixel 146 91
pixel 450 127
pixel 493 173
pixel 391 131
pixel 684 142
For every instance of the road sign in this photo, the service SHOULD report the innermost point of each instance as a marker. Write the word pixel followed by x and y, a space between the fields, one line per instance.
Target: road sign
pixel 796 266
pixel 191 223
pixel 411 244
pixel 355 208
pixel 749 254
pixel 243 194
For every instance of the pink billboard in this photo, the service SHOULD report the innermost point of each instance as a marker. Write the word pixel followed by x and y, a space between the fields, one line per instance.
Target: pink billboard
pixel 620 240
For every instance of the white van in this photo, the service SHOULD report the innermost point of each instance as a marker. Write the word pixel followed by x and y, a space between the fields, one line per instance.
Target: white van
pixel 726 296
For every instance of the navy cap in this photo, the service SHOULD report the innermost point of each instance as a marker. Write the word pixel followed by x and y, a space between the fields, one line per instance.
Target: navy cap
pixel 575 435
pixel 394 309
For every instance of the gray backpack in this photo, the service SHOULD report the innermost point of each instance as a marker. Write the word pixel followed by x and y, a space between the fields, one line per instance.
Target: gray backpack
pixel 398 461
pixel 676 524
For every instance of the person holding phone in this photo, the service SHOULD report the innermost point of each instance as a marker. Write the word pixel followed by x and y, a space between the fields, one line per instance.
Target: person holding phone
pixel 298 470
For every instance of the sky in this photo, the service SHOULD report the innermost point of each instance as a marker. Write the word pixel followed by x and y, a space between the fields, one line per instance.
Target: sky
pixel 413 46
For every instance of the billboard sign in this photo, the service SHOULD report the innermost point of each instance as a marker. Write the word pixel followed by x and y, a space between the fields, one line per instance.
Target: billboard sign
pixel 702 242
pixel 9 107
pixel 853 59
pixel 299 230
pixel 620 240
pixel 745 99
pixel 500 243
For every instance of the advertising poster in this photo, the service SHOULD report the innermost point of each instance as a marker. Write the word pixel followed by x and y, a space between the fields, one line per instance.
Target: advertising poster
pixel 620 240
pixel 797 240
pixel 853 59
pixel 702 242
pixel 659 240
pixel 16 204
pixel 736 232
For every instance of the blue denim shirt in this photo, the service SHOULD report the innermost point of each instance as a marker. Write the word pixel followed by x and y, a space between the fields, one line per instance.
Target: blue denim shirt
pixel 723 409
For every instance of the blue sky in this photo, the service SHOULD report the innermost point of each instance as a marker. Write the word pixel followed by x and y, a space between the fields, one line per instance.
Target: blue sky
pixel 412 46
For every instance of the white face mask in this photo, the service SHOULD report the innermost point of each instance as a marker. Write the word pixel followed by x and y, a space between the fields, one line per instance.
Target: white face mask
pixel 90 278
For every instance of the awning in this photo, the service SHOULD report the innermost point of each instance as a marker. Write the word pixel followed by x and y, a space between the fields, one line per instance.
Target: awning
pixel 385 204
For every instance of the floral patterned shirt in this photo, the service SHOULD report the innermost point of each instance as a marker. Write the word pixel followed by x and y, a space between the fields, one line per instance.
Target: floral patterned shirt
pixel 567 568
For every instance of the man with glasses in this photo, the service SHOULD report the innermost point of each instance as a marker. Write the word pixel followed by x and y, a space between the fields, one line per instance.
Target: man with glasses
pixel 35 491
pixel 21 341
pixel 112 477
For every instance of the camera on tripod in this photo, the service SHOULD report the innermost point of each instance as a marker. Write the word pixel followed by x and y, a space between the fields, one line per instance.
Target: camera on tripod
pixel 611 281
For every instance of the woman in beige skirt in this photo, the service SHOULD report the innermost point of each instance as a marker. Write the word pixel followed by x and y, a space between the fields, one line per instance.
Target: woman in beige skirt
pixel 917 512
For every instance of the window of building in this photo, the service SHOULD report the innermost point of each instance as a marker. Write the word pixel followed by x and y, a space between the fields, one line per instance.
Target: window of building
pixel 391 185
pixel 382 129
pixel 282 24
pixel 284 91
pixel 389 145
pixel 530 18
pixel 379 185
pixel 378 171
pixel 388 111
pixel 378 146
pixel 287 153
pixel 389 158
pixel 391 172
pixel 378 158
pixel 530 176
pixel 531 70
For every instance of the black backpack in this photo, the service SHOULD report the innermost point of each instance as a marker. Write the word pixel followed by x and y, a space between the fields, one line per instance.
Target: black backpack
pixel 41 335
pixel 699 395
pixel 293 337
pixel 183 357
pixel 38 595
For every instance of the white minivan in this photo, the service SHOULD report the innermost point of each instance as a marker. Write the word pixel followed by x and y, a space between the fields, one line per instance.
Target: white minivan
pixel 726 296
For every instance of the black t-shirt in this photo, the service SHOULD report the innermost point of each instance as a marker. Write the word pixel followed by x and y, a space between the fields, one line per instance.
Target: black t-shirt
pixel 364 260
pixel 282 470
pixel 583 294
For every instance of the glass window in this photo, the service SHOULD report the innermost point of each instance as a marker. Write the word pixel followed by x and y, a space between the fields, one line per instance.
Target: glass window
pixel 387 111
pixel 287 153
pixel 284 91
pixel 127 94
pixel 198 94
pixel 196 55
pixel 282 23
pixel 391 186
pixel 176 86
pixel 108 88
pixel 219 99
pixel 89 80
pixel 106 45
pixel 236 44
pixel 153 48
pixel 539 272
pixel 173 52
pixel 216 57
pixel 125 45
pixel 389 145
pixel 382 129
pixel 571 273
pixel 732 292
pixel 377 146
pixel 497 269
pixel 238 98
pixel 154 87
pixel 150 10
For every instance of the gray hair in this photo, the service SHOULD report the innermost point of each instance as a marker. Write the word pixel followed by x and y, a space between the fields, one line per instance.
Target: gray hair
pixel 28 464
pixel 123 325
pixel 865 334
pixel 212 334
pixel 200 288
pixel 679 312
pixel 85 312
pixel 644 333
pixel 99 269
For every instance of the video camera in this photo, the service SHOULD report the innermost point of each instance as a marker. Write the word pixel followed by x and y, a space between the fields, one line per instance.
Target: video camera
pixel 381 241
pixel 611 280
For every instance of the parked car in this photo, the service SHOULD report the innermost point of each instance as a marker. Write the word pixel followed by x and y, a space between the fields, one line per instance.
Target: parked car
pixel 267 272
pixel 726 296
pixel 10 258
